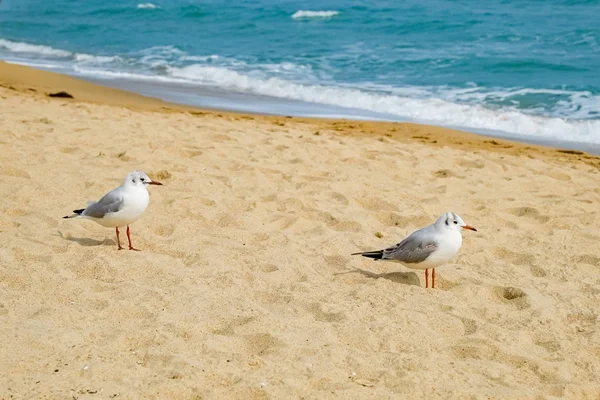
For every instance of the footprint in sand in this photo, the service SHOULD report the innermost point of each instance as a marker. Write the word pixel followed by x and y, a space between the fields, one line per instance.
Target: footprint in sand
pixel 262 343
pixel 14 172
pixel 583 320
pixel 335 223
pixel 227 220
pixel 559 176
pixel 376 204
pixel 479 164
pixel 514 257
pixel 538 271
pixel 446 173
pixel 470 326
pixel 284 221
pixel 336 261
pixel 228 327
pixel 164 230
pixel 589 259
pixel 220 138
pixel 513 296
pixel 269 268
pixel 69 149
pixel 189 152
pixel 340 198
pixel 440 189
pixel 323 316
pixel 529 212
pixel 486 349
pixel 392 219
pixel 15 212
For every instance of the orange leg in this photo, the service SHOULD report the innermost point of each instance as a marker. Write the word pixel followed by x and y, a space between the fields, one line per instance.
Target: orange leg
pixel 118 240
pixel 129 239
pixel 433 278
pixel 426 278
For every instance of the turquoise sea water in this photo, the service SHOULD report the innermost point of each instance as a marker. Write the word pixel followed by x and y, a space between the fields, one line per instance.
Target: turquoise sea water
pixel 529 68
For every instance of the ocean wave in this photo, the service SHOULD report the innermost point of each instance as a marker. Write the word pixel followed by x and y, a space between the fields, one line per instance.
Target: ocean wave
pixel 314 14
pixel 147 6
pixel 428 110
pixel 20 47
pixel 52 53
pixel 106 74
pixel 88 58
pixel 36 64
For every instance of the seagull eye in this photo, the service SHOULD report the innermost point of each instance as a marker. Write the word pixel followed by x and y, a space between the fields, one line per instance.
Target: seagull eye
pixel 456 222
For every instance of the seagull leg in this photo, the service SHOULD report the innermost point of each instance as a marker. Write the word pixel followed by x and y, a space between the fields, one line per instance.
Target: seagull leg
pixel 426 278
pixel 118 240
pixel 129 239
pixel 433 278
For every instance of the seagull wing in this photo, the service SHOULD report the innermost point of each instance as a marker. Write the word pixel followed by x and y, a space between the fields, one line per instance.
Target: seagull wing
pixel 413 250
pixel 110 203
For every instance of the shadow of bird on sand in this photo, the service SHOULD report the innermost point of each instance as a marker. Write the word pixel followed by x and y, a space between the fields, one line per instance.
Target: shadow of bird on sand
pixel 405 278
pixel 86 241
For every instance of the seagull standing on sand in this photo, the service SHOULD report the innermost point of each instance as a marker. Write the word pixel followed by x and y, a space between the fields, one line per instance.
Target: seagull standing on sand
pixel 121 206
pixel 426 248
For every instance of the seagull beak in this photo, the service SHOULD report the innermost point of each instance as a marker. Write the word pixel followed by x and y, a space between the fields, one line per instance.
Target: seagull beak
pixel 469 228
pixel 154 183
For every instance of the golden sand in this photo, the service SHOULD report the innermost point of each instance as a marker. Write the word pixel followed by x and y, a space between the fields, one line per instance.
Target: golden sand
pixel 245 288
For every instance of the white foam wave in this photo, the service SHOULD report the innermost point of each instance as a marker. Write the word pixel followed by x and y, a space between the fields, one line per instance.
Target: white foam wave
pixel 314 14
pixel 88 58
pixel 570 103
pixel 52 53
pixel 34 64
pixel 430 110
pixel 104 74
pixel 212 57
pixel 19 47
pixel 147 6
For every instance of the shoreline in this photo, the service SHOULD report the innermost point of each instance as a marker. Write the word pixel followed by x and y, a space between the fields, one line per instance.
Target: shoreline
pixel 237 103
pixel 41 82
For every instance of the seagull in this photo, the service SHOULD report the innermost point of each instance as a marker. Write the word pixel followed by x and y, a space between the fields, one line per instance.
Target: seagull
pixel 121 206
pixel 426 248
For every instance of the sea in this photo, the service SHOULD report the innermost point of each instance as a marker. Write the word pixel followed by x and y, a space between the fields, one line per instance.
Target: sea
pixel 521 69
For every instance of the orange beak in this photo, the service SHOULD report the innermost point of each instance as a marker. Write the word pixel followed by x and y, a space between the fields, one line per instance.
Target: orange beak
pixel 469 228
pixel 154 183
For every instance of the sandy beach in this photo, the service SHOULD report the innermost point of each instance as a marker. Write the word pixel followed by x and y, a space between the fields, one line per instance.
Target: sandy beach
pixel 245 287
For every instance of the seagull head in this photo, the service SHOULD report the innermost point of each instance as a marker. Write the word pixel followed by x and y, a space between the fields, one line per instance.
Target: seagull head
pixel 452 222
pixel 139 179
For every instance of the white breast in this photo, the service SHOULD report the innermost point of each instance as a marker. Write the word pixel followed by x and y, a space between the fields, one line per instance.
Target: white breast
pixel 449 243
pixel 135 201
pixel 448 246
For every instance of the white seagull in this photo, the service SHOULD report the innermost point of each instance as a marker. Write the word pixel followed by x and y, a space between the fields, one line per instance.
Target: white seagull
pixel 426 248
pixel 121 206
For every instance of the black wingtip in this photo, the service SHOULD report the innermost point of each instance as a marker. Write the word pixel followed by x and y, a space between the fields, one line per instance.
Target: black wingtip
pixel 76 213
pixel 377 255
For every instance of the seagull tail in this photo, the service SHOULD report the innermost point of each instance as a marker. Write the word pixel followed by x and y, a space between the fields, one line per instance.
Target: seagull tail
pixel 378 254
pixel 77 213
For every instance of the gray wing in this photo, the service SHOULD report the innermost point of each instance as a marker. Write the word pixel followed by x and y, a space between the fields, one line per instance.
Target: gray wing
pixel 414 249
pixel 111 202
